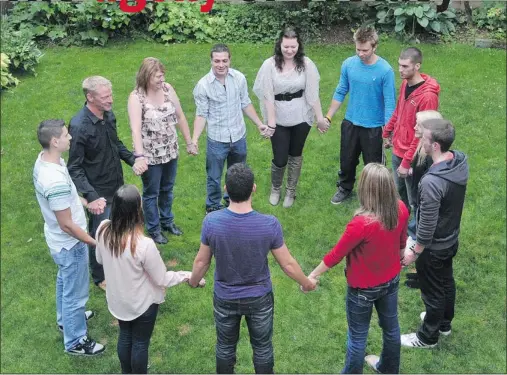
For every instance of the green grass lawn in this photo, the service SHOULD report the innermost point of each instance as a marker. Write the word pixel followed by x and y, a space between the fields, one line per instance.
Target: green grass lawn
pixel 310 330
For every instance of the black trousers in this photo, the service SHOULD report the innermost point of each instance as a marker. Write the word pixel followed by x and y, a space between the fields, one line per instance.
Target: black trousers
pixel 438 291
pixel 288 140
pixel 134 341
pixel 357 140
pixel 94 221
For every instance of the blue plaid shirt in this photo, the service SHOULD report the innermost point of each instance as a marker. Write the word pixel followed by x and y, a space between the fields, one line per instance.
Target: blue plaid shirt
pixel 222 105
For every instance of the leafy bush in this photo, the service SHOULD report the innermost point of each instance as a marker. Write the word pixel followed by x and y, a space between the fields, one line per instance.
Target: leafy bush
pixel 20 48
pixel 7 78
pixel 179 22
pixel 407 17
pixel 491 17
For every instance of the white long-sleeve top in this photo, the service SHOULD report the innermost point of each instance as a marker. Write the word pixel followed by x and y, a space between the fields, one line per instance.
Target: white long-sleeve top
pixel 134 283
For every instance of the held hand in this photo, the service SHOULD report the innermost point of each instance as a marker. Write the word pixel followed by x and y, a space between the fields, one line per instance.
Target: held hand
pixel 269 132
pixel 310 285
pixel 140 166
pixel 402 172
pixel 323 125
pixel 387 142
pixel 192 149
pixel 408 258
pixel 97 206
pixel 410 171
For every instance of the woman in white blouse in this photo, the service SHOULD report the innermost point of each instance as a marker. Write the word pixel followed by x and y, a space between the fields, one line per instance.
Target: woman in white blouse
pixel 136 277
pixel 287 86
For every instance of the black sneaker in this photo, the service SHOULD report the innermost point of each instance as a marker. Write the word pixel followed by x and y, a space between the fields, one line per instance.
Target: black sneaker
pixel 88 315
pixel 87 346
pixel 159 238
pixel 212 209
pixel 341 195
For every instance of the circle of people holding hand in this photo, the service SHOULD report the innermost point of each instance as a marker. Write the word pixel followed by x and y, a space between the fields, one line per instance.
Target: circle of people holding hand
pixel 408 215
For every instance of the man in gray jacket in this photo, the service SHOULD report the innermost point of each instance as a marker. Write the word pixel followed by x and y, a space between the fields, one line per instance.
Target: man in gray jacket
pixel 441 196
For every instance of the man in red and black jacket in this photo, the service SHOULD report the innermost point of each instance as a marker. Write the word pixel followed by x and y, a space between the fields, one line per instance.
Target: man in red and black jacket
pixel 418 92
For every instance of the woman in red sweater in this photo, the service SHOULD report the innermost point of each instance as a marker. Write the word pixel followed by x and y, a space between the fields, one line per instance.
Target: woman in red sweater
pixel 372 243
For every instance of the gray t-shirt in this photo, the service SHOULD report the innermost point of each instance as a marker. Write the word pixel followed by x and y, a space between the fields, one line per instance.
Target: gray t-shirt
pixel 240 244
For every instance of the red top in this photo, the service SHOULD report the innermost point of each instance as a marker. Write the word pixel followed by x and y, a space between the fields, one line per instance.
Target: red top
pixel 373 253
pixel 402 122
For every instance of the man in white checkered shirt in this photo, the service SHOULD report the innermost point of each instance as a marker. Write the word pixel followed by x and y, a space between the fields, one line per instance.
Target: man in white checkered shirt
pixel 221 98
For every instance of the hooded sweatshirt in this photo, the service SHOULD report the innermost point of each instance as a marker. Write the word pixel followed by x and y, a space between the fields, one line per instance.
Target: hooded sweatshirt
pixel 402 122
pixel 440 199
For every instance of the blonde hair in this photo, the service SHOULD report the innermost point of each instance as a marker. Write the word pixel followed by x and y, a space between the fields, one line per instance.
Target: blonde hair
pixel 148 69
pixel 378 196
pixel 366 34
pixel 91 84
pixel 421 117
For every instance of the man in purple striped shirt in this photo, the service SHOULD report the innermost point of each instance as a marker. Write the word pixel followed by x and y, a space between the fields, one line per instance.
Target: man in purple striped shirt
pixel 241 239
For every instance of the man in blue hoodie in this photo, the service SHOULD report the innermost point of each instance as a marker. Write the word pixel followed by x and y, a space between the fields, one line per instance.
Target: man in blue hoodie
pixel 441 195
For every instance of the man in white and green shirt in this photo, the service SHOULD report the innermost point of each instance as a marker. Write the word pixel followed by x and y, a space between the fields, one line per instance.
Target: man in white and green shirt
pixel 66 236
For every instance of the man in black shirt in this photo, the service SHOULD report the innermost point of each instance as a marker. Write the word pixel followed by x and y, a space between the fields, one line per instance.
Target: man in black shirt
pixel 94 158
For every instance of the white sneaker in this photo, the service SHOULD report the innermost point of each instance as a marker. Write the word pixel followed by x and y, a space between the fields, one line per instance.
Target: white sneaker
pixel 412 341
pixel 372 361
pixel 443 333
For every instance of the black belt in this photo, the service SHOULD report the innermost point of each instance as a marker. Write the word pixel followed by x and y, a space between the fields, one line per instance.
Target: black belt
pixel 287 97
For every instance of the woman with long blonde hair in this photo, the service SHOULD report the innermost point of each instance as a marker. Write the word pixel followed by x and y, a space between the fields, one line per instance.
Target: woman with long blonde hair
pixel 136 277
pixel 373 243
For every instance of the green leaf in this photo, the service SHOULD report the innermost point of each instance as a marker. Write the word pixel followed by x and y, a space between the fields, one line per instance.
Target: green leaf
pixel 419 11
pixel 435 25
pixel 382 14
pixel 39 30
pixel 426 7
pixel 409 11
pixel 423 21
pixel 449 14
pixel 430 13
pixel 399 27
pixel 399 11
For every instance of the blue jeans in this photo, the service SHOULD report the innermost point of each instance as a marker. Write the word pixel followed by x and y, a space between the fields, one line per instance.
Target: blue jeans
pixel 93 223
pixel 404 185
pixel 359 308
pixel 72 286
pixel 216 155
pixel 134 340
pixel 158 183
pixel 258 312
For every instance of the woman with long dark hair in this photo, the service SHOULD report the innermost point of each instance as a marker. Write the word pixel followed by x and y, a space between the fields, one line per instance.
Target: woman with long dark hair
pixel 136 277
pixel 373 243
pixel 287 86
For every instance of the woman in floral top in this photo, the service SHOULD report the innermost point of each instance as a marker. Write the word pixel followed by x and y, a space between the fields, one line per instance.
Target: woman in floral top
pixel 154 112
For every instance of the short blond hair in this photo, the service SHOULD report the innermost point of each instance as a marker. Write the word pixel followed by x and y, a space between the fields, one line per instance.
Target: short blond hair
pixel 366 34
pixel 91 84
pixel 421 117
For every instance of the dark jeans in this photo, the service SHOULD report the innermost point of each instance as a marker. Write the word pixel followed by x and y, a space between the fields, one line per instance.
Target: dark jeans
pixel 258 312
pixel 354 141
pixel 288 140
pixel 216 155
pixel 134 340
pixel 158 183
pixel 94 221
pixel 404 185
pixel 359 308
pixel 438 291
